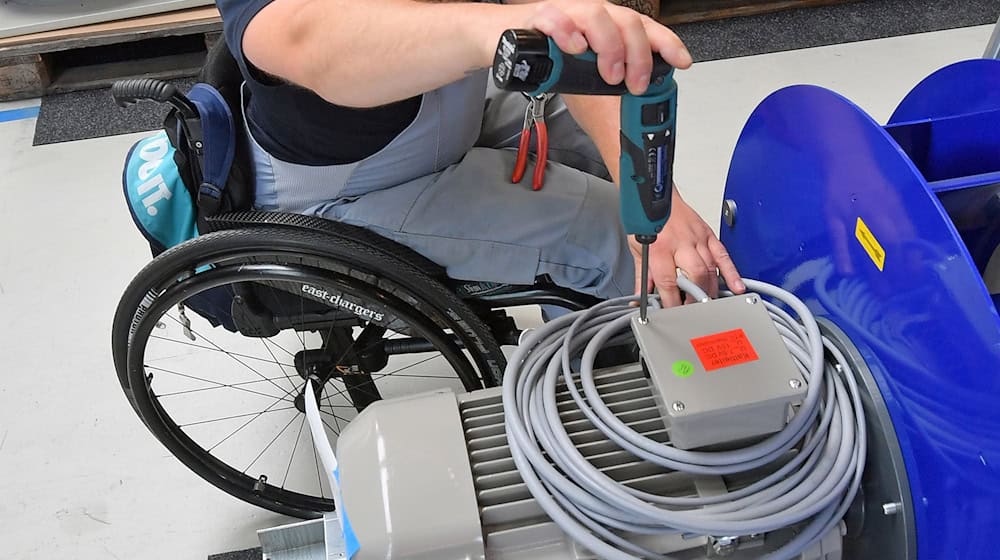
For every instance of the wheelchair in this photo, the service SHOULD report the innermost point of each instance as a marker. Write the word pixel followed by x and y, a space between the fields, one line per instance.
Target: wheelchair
pixel 215 339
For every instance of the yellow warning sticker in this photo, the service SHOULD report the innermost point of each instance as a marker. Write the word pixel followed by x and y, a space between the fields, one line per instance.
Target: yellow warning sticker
pixel 870 244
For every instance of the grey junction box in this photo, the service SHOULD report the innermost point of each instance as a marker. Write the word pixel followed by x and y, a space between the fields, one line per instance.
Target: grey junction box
pixel 720 370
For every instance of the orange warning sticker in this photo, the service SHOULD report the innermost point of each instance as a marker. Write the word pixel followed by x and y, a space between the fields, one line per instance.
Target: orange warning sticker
pixel 724 349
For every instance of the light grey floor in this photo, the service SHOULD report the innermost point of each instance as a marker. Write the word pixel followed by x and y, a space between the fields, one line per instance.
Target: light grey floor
pixel 80 477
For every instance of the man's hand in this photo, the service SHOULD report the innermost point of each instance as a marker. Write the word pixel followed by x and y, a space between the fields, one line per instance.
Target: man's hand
pixel 622 38
pixel 689 244
pixel 624 42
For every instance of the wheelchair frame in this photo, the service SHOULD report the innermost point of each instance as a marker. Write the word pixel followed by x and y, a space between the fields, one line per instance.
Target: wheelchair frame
pixel 337 357
pixel 476 309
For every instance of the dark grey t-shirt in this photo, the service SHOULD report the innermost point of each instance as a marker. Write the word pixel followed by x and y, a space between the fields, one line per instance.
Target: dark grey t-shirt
pixel 296 125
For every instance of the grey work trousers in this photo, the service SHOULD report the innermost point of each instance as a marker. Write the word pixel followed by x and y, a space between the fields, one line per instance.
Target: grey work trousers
pixel 472 220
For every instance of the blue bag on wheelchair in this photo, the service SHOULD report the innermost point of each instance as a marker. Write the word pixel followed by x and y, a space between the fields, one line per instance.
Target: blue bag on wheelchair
pixel 176 179
pixel 188 172
pixel 164 211
pixel 194 169
pixel 157 197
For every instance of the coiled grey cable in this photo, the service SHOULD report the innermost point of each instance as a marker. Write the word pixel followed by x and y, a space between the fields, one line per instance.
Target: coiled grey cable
pixel 812 491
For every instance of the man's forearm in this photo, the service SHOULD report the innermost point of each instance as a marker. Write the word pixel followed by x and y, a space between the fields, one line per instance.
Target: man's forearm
pixel 365 54
pixel 600 117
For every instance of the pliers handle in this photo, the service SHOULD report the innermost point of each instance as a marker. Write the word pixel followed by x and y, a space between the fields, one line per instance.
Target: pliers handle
pixel 534 117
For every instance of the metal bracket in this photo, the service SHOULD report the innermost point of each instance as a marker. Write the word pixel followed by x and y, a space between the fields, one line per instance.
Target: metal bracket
pixel 316 539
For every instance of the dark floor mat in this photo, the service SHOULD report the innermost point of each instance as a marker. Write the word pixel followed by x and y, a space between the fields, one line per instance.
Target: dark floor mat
pixel 829 25
pixel 248 554
pixel 93 114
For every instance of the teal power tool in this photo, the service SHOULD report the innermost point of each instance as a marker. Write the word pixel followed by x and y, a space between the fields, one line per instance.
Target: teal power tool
pixel 532 63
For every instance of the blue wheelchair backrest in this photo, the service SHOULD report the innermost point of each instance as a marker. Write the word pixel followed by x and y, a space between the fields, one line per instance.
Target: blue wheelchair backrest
pixel 219 140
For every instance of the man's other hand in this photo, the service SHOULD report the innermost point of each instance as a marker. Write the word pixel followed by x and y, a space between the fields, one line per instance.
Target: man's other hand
pixel 687 243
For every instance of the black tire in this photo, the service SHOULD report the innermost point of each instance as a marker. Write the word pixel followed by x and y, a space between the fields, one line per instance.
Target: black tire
pixel 406 301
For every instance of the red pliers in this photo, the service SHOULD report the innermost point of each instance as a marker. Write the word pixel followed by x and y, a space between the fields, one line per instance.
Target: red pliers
pixel 534 115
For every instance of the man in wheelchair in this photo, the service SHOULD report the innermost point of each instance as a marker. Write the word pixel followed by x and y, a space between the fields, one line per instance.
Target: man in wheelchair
pixel 386 230
pixel 378 114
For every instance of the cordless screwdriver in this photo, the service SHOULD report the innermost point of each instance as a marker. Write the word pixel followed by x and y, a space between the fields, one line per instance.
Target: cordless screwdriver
pixel 531 62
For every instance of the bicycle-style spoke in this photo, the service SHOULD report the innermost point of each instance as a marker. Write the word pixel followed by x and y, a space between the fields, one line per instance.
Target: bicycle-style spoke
pixel 335 392
pixel 327 424
pixel 320 406
pixel 416 376
pixel 268 348
pixel 279 347
pixel 337 405
pixel 216 349
pixel 259 374
pixel 291 457
pixel 339 393
pixel 217 385
pixel 406 367
pixel 236 386
pixel 233 417
pixel 263 451
pixel 319 473
pixel 248 422
pixel 336 418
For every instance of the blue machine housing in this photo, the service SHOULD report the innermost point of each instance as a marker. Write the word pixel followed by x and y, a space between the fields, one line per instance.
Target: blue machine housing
pixel 886 231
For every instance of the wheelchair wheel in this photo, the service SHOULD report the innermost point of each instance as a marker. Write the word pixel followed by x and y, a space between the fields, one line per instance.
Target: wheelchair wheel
pixel 214 340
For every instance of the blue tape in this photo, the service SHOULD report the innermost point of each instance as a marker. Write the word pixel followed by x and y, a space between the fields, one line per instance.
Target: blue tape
pixel 351 544
pixel 19 114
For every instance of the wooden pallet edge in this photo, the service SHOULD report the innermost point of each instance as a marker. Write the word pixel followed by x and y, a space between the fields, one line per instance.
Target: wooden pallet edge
pixel 23 77
pixel 182 22
pixel 27 70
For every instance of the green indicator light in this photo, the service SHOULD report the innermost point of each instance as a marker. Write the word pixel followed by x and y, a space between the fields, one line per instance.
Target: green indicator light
pixel 683 368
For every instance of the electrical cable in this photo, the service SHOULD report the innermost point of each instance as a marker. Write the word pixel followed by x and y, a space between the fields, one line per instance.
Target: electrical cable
pixel 810 491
